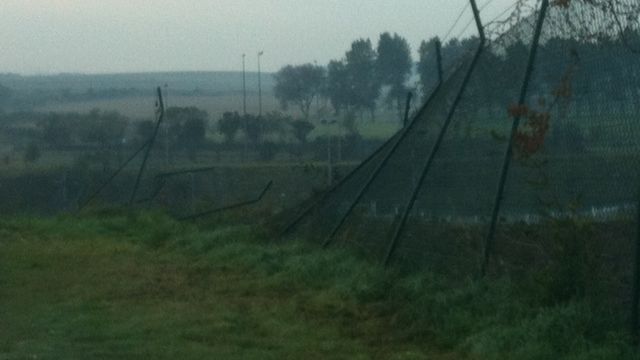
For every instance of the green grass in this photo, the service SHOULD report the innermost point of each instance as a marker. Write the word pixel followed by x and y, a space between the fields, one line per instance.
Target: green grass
pixel 142 107
pixel 142 286
pixel 381 129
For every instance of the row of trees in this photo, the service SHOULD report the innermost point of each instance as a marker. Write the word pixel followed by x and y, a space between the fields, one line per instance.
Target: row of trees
pixel 353 83
pixel 356 82
pixel 108 136
pixel 255 129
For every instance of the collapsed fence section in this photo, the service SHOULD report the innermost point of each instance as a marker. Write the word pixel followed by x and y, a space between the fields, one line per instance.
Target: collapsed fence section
pixel 325 218
pixel 524 161
pixel 570 201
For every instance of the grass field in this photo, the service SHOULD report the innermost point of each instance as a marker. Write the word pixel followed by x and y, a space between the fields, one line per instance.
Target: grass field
pixel 98 290
pixel 107 286
pixel 142 107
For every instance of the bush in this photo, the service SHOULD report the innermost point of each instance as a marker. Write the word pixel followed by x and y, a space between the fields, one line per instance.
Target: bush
pixel 572 269
pixel 229 125
pixel 301 130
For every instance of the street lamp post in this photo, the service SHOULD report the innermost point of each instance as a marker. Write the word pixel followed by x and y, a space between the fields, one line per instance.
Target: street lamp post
pixel 259 85
pixel 244 86
pixel 166 129
pixel 315 63
pixel 330 153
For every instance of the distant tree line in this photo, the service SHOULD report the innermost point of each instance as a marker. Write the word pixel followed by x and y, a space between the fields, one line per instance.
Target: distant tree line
pixel 353 83
pixel 356 85
pixel 105 138
pixel 368 76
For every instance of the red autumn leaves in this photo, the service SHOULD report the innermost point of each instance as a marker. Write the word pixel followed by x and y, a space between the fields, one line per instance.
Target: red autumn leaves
pixel 531 133
pixel 530 136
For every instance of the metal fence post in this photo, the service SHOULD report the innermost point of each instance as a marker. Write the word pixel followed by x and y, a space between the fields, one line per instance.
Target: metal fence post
pixel 407 108
pixel 379 167
pixel 193 191
pixel 229 207
pixel 64 189
pixel 488 248
pixel 149 147
pixel 291 225
pixel 439 60
pixel 390 142
pixel 393 244
pixel 113 176
pixel 635 303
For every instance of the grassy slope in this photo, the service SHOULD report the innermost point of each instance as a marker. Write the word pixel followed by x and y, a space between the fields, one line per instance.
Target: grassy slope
pixel 104 289
pixel 142 286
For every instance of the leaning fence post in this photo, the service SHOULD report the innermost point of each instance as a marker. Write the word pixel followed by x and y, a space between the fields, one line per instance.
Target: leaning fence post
pixel 488 247
pixel 374 175
pixel 113 176
pixel 635 303
pixel 439 61
pixel 64 189
pixel 149 147
pixel 295 222
pixel 192 179
pixel 289 227
pixel 407 108
pixel 393 244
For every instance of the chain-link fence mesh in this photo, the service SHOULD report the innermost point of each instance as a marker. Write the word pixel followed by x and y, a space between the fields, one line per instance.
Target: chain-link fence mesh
pixel 570 202
pixel 568 210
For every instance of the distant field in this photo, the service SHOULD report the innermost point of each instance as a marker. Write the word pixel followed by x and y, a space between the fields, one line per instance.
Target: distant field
pixel 217 81
pixel 380 130
pixel 143 107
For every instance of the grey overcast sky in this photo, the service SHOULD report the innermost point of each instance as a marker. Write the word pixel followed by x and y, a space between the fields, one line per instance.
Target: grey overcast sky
pixel 104 36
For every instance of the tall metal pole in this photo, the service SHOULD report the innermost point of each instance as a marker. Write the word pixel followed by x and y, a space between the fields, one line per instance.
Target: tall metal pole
pixel 488 247
pixel 315 63
pixel 407 108
pixel 476 16
pixel 325 195
pixel 245 150
pixel 379 152
pixel 374 175
pixel 635 301
pixel 113 176
pixel 259 85
pixel 439 60
pixel 192 179
pixel 149 147
pixel 436 146
pixel 329 162
pixel 417 185
pixel 244 85
pixel 166 130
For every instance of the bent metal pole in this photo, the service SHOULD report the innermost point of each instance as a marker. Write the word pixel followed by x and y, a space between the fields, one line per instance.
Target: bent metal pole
pixel 149 147
pixel 393 244
pixel 488 247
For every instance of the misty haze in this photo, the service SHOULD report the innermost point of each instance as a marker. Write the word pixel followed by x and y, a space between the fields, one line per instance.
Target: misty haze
pixel 280 179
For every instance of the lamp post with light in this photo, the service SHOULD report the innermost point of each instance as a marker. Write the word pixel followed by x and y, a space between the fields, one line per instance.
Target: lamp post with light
pixel 244 86
pixel 259 85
